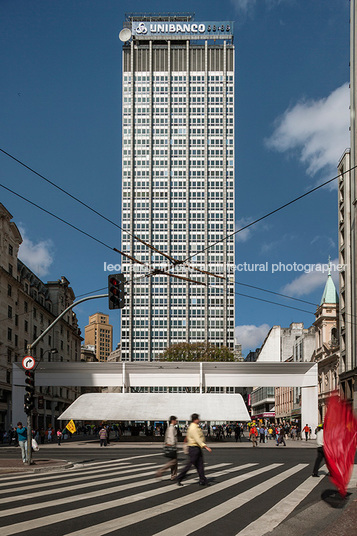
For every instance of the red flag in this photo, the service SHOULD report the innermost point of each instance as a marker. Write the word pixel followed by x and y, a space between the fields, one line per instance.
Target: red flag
pixel 340 442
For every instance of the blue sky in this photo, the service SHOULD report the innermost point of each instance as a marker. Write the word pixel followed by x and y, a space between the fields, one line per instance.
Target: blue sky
pixel 60 111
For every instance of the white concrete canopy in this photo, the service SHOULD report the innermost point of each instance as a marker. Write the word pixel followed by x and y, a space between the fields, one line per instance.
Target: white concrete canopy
pixel 156 406
pixel 200 376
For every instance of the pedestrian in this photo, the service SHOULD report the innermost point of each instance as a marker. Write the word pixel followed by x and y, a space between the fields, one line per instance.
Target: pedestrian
pixel 253 435
pixel 237 433
pixel 270 432
pixel 108 434
pixel 170 443
pixel 22 438
pixel 195 442
pixel 320 449
pixel 281 437
pixel 103 436
pixel 261 434
pixel 306 429
pixel 59 437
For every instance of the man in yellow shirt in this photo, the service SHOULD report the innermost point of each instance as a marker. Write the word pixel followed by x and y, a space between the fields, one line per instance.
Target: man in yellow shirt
pixel 195 441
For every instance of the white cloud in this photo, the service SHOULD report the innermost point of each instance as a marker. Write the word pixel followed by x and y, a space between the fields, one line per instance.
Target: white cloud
pixel 308 282
pixel 244 235
pixel 243 5
pixel 317 130
pixel 250 336
pixel 248 5
pixel 37 256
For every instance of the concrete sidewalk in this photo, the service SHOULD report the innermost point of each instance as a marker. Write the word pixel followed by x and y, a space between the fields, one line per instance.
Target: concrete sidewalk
pixel 43 465
pixel 94 442
pixel 328 517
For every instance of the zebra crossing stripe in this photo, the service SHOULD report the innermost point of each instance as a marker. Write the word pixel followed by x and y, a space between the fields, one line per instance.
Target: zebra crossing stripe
pixel 281 510
pixel 40 522
pixel 58 489
pixel 86 467
pixel 93 464
pixel 68 475
pixel 102 492
pixel 213 514
pixel 90 494
pixel 142 515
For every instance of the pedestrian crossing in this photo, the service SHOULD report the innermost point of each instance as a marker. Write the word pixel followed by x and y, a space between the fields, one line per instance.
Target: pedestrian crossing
pixel 110 496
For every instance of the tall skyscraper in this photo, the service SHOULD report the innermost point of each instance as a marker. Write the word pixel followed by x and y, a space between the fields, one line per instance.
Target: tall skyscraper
pixel 177 181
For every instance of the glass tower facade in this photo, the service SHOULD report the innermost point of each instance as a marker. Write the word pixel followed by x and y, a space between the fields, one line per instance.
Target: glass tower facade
pixel 177 190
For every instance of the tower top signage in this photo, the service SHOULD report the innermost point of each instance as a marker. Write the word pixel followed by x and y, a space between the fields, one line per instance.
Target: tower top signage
pixel 182 30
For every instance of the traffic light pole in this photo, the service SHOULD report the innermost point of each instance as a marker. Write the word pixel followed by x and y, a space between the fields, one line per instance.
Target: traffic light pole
pixel 31 346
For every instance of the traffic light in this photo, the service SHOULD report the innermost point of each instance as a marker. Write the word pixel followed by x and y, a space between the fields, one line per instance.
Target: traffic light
pixel 29 400
pixel 116 291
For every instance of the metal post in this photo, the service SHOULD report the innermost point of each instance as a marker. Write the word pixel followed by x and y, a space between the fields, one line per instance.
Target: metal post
pixel 29 439
pixel 30 347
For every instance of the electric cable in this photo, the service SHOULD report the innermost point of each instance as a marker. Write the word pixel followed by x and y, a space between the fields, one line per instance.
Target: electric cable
pixel 178 262
pixel 175 261
pixel 57 217
pixel 276 293
pixel 281 207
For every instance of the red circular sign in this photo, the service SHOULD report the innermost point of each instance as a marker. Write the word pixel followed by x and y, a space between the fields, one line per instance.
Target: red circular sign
pixel 28 362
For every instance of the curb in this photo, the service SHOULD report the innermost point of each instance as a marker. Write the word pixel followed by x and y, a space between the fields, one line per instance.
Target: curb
pixel 29 469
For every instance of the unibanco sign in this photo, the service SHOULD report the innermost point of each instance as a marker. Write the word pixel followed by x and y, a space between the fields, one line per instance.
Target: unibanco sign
pixel 213 30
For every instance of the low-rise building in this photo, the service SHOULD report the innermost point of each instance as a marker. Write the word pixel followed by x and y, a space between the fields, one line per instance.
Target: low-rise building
pixel 115 355
pixel 27 307
pixel 88 353
pixel 294 343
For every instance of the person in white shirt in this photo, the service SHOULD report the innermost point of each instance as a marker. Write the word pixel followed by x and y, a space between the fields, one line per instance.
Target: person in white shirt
pixel 320 449
pixel 170 441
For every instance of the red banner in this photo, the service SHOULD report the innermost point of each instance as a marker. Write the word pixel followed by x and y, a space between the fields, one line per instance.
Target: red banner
pixel 340 442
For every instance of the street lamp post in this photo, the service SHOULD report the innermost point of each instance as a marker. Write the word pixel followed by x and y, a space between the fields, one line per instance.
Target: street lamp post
pixel 30 348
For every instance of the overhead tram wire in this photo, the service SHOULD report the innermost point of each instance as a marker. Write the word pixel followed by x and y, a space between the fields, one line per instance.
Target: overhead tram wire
pixel 96 239
pixel 275 293
pixel 57 217
pixel 111 248
pixel 274 303
pixel 281 207
pixel 171 259
pixel 176 262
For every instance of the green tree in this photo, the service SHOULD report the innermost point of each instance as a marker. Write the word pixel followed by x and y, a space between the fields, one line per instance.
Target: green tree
pixel 198 351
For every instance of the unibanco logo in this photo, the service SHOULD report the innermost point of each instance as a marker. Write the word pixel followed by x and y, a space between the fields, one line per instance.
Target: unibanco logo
pixel 141 29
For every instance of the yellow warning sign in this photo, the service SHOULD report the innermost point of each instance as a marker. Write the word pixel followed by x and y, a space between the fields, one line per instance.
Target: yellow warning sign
pixel 71 427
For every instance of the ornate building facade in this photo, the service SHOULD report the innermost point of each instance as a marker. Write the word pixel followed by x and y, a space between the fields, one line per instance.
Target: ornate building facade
pixel 27 307
pixel 327 351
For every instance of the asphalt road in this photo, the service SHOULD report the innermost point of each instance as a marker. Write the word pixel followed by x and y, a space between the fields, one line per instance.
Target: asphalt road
pixel 112 490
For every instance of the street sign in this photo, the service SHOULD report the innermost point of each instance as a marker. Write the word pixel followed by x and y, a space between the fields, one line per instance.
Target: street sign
pixel 28 362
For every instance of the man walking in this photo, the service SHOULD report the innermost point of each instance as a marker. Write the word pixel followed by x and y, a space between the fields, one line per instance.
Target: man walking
pixel 22 437
pixel 195 442
pixel 171 442
pixel 320 449
pixel 306 429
